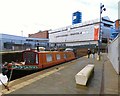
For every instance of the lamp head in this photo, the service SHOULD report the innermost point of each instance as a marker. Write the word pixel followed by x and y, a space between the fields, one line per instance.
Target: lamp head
pixel 104 9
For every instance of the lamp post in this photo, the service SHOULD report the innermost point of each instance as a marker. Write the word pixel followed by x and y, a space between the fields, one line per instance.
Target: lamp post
pixel 21 40
pixel 100 33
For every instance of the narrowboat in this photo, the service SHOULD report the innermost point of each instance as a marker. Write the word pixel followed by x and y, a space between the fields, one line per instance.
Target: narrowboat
pixel 35 61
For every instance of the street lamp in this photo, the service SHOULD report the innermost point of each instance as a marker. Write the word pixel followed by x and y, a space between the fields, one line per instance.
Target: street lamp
pixel 100 33
pixel 22 38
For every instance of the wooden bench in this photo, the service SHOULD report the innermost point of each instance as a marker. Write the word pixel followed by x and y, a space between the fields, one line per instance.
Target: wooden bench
pixel 83 76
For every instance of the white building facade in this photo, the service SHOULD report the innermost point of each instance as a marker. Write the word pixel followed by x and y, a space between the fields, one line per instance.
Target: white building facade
pixel 80 34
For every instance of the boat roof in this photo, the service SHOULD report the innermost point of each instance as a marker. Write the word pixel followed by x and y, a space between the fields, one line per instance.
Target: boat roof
pixel 43 51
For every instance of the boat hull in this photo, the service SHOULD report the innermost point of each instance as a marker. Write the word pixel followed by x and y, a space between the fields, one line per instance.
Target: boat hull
pixel 15 74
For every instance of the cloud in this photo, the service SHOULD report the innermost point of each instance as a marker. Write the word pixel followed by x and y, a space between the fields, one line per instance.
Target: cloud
pixel 34 15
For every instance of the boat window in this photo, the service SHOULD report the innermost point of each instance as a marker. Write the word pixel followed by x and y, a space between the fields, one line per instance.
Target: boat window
pixel 49 57
pixel 58 56
pixel 30 57
pixel 37 58
pixel 65 56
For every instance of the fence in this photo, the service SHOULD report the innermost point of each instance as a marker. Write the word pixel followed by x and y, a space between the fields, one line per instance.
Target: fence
pixel 114 53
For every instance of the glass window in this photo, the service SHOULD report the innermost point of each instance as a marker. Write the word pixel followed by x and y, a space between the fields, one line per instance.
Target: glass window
pixel 37 58
pixel 29 57
pixel 65 56
pixel 49 57
pixel 8 45
pixel 58 56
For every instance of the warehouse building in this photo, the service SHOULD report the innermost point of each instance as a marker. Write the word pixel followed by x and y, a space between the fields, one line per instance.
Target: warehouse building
pixel 12 42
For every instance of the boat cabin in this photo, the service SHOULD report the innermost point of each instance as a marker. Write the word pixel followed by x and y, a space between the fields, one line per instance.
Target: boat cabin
pixel 46 58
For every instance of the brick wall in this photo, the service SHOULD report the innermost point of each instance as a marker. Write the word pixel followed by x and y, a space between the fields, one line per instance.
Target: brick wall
pixel 40 34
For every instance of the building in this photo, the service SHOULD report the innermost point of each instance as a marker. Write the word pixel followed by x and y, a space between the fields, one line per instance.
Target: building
pixel 119 10
pixel 77 17
pixel 116 29
pixel 86 33
pixel 40 34
pixel 117 25
pixel 12 42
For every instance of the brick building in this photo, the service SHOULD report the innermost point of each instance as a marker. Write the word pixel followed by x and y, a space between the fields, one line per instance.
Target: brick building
pixel 40 34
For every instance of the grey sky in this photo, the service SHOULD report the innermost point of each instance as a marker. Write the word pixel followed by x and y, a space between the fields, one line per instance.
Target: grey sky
pixel 34 15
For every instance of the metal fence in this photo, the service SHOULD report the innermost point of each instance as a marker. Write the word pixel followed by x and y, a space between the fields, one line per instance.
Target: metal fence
pixel 114 53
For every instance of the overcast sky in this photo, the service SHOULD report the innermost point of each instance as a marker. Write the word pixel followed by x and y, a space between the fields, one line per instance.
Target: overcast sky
pixel 30 16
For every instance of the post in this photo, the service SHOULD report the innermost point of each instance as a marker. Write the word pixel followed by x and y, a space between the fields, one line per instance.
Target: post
pixel 21 40
pixel 100 33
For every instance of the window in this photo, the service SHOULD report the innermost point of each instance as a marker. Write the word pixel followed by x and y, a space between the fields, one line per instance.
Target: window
pixel 65 56
pixel 49 57
pixel 37 58
pixel 58 56
pixel 30 57
pixel 8 45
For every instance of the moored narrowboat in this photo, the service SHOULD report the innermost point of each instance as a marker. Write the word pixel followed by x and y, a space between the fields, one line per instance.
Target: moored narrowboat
pixel 35 61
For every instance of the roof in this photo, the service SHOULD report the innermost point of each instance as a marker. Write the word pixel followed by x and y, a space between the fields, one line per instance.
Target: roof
pixel 14 37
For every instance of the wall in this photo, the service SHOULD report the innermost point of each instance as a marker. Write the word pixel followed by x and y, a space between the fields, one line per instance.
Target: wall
pixel 82 32
pixel 74 33
pixel 114 53
pixel 117 24
pixel 41 34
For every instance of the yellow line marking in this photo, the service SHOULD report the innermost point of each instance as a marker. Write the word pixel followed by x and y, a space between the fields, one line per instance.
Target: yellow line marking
pixel 18 86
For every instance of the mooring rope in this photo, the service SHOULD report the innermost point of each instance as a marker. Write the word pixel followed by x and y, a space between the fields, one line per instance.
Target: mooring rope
pixel 10 76
pixel 11 72
pixel 6 87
